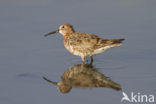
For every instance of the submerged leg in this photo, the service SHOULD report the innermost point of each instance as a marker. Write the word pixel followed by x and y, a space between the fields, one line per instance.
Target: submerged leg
pixel 82 67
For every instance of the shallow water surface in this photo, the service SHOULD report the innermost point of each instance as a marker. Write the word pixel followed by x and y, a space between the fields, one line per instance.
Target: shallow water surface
pixel 26 55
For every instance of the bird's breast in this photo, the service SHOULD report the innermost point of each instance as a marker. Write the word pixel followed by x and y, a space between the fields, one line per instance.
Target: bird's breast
pixel 71 48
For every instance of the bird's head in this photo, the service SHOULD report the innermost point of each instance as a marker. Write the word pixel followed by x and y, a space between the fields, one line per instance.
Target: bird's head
pixel 64 29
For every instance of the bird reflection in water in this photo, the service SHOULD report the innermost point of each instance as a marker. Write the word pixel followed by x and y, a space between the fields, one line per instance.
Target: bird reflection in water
pixel 83 76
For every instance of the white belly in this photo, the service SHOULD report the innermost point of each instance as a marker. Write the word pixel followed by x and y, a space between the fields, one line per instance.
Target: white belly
pixel 102 49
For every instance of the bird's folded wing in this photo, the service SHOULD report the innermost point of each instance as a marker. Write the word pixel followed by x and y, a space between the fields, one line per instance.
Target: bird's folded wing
pixel 82 41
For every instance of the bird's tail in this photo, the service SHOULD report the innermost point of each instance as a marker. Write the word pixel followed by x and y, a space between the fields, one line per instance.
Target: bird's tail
pixel 117 41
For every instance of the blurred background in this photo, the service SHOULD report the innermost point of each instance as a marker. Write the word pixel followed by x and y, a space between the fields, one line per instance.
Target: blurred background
pixel 26 55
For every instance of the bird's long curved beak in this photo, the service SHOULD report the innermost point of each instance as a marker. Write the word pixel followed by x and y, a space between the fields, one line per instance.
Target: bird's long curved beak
pixel 50 33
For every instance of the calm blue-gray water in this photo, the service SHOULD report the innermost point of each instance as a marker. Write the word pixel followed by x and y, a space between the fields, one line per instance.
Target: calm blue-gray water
pixel 26 55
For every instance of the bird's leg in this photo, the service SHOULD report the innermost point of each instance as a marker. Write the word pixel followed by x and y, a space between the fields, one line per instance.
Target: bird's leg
pixel 91 61
pixel 87 60
pixel 83 59
pixel 83 63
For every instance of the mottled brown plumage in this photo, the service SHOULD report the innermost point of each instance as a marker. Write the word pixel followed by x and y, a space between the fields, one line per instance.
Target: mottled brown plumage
pixel 84 44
